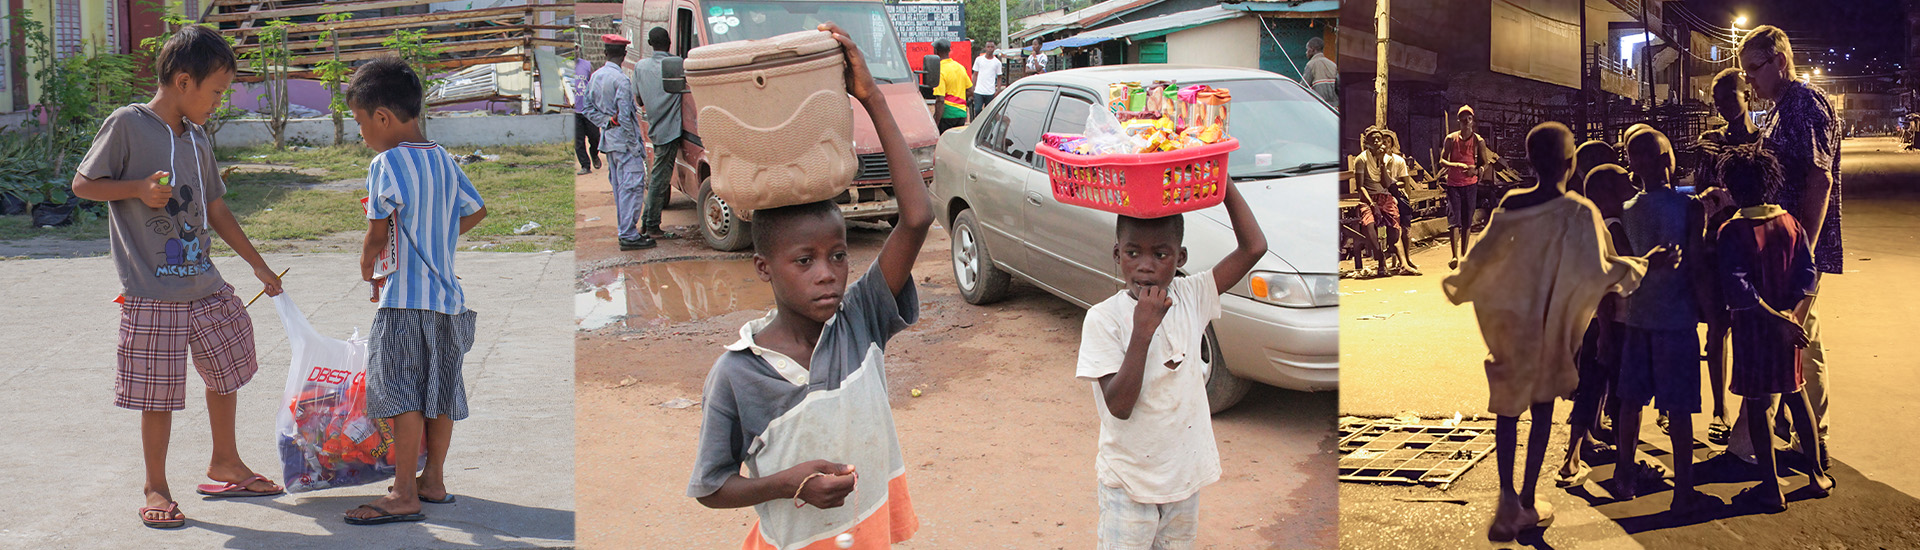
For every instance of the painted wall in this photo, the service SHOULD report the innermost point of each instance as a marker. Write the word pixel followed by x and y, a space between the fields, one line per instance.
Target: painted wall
pixel 1202 45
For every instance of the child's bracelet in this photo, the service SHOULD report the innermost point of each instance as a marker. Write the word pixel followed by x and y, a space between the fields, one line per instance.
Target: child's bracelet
pixel 803 487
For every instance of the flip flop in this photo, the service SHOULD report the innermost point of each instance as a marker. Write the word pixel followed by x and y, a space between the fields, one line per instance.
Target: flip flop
pixel 236 490
pixel 174 520
pixel 384 517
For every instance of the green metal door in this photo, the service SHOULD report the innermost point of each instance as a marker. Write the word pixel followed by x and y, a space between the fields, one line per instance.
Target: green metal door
pixel 1153 52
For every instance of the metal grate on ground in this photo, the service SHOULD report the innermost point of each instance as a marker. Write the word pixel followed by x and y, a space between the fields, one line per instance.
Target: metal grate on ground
pixel 1419 452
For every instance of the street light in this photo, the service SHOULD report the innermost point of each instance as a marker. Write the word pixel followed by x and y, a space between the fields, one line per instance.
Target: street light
pixel 1738 21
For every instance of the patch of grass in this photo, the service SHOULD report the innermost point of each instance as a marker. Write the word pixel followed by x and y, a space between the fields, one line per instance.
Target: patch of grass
pixel 86 229
pixel 532 183
pixel 340 161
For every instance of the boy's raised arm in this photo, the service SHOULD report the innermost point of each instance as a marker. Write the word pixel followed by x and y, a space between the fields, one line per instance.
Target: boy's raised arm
pixel 221 219
pixel 910 193
pixel 1246 232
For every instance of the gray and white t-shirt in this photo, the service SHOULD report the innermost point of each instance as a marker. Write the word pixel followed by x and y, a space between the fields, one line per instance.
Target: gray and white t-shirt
pixel 162 254
pixel 750 386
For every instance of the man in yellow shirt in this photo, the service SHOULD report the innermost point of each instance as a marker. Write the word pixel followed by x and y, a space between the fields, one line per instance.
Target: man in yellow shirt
pixel 953 89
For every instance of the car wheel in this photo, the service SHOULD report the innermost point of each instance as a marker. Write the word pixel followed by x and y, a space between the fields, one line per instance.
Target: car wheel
pixel 723 230
pixel 980 281
pixel 1223 388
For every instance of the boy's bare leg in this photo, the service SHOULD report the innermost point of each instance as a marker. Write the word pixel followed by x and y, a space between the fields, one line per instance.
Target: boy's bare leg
pixel 1537 511
pixel 1717 370
pixel 432 482
pixel 1760 427
pixel 226 465
pixel 404 498
pixel 156 428
pixel 1680 427
pixel 1505 435
pixel 1810 443
pixel 1626 472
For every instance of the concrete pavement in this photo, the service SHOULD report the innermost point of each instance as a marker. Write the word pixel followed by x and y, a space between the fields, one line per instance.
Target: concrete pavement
pixel 1426 357
pixel 73 476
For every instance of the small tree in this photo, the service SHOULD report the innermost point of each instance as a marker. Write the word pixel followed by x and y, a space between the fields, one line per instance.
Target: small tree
pixel 66 95
pixel 333 75
pixel 172 21
pixel 270 60
pixel 420 53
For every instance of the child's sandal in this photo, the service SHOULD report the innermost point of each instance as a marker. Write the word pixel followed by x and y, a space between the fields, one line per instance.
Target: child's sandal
pixel 174 519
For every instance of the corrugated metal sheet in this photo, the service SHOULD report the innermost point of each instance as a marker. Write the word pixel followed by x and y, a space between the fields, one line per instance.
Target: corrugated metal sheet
pixel 1148 28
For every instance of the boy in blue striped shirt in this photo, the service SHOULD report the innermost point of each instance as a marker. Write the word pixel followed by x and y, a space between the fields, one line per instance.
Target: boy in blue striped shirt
pixel 417 194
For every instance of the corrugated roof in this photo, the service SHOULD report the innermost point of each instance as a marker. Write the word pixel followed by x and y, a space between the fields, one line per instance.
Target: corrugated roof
pixel 1148 28
pixel 1082 17
pixel 1297 6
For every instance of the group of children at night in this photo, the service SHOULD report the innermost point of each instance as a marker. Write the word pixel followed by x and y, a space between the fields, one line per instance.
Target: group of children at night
pixel 1595 283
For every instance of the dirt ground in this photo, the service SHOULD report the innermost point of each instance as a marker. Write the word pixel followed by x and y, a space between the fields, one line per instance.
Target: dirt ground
pixel 999 447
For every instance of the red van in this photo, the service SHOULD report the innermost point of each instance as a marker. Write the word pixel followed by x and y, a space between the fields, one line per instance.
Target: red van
pixel 695 23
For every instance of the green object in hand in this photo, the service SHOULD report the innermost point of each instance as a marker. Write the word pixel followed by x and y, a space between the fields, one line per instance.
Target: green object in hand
pixel 166 181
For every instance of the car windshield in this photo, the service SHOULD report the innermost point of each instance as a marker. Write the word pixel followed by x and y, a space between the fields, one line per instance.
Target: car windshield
pixel 1280 127
pixel 865 22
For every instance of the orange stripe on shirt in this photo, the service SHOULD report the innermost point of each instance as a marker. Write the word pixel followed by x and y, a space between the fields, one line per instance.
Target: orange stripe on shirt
pixel 892 524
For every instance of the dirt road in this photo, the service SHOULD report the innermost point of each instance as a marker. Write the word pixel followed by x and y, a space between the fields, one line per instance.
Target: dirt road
pixel 999 447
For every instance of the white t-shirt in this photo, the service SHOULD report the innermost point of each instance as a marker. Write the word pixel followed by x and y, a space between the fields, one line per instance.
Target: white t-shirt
pixel 1165 451
pixel 1037 63
pixel 986 71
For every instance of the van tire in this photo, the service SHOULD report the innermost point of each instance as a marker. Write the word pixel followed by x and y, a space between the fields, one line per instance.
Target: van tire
pixel 724 231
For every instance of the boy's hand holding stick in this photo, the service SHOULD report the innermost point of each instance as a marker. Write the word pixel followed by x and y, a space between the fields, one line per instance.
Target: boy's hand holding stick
pixel 271 281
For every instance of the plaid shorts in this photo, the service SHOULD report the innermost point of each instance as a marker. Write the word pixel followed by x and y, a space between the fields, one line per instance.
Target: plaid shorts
pixel 155 336
pixel 414 359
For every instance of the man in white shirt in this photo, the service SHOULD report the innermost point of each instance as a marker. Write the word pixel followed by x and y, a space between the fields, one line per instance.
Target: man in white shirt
pixel 986 78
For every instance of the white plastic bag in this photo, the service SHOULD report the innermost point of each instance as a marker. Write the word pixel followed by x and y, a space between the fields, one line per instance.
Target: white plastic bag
pixel 325 437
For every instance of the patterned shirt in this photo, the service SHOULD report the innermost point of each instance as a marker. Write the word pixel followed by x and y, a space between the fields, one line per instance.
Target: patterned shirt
pixel 420 188
pixel 1803 134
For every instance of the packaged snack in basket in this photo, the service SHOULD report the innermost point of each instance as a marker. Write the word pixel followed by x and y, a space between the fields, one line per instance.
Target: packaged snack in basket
pixel 1117 97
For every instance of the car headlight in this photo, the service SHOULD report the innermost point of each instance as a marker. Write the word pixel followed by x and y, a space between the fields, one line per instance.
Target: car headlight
pixel 1291 289
pixel 923 158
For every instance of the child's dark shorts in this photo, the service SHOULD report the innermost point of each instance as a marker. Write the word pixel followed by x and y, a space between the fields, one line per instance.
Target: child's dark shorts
pixel 414 359
pixel 1462 202
pixel 1662 366
pixel 155 336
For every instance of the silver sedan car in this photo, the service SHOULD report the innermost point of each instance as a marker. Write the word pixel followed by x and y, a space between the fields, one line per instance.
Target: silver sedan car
pixel 991 191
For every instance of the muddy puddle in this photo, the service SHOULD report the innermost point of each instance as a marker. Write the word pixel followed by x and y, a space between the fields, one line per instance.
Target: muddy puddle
pixel 640 296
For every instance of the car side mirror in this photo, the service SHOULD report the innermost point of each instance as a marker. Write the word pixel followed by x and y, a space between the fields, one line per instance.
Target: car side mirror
pixel 929 70
pixel 673 75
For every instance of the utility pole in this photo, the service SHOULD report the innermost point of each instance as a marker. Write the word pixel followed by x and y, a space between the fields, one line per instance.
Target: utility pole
pixel 1381 67
pixel 1003 25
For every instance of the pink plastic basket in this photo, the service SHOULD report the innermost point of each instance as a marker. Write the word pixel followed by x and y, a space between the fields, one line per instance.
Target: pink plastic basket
pixel 1145 185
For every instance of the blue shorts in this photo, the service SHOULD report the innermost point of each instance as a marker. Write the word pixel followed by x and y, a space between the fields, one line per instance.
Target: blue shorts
pixel 1462 202
pixel 1662 366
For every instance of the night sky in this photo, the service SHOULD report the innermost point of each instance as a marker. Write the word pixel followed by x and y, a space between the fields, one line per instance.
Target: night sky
pixel 1866 29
